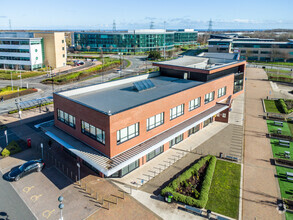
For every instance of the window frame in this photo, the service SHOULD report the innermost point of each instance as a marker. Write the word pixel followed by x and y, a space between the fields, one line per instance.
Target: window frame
pixel 156 122
pixel 210 98
pixel 190 108
pixel 177 112
pixel 92 132
pixel 64 118
pixel 128 135
pixel 222 91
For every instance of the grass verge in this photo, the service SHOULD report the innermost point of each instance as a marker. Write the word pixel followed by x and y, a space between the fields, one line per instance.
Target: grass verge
pixel 273 128
pixel 8 90
pixel 6 74
pixel 32 107
pixel 272 106
pixel 225 189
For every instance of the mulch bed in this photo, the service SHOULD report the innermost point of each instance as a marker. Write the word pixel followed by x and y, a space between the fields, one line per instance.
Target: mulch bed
pixel 192 186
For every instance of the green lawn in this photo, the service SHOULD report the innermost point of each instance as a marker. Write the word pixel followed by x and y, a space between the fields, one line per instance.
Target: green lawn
pixel 278 151
pixel 6 74
pixel 290 125
pixel 278 71
pixel 225 189
pixel 271 106
pixel 273 129
pixel 289 216
pixel 272 63
pixel 286 187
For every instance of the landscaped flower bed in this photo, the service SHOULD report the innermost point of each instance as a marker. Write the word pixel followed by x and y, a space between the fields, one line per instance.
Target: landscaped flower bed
pixel 192 187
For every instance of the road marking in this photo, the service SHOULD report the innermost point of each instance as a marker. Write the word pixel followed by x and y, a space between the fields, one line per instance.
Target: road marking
pixel 47 213
pixel 27 189
pixel 35 198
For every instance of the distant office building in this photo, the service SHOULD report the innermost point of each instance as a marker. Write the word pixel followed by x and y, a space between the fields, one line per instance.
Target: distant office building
pixel 30 51
pixel 54 48
pixel 252 48
pixel 118 126
pixel 134 41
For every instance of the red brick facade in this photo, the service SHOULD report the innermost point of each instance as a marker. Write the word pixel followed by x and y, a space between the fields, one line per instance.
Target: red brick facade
pixel 111 124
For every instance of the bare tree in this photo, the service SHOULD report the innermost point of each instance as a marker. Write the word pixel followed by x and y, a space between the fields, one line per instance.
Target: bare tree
pixel 275 53
pixel 88 48
pixel 111 48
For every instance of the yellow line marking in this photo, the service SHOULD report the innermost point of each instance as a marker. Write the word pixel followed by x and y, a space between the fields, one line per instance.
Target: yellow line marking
pixel 27 189
pixel 35 198
pixel 47 213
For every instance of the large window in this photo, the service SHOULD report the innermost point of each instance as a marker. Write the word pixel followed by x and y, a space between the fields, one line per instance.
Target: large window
pixel 93 132
pixel 176 140
pixel 66 118
pixel 155 121
pixel 127 133
pixel 193 104
pixel 221 92
pixel 193 130
pixel 154 153
pixel 209 97
pixel 129 168
pixel 176 111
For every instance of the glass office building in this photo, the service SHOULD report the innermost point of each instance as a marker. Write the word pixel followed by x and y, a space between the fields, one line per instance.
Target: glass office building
pixel 133 41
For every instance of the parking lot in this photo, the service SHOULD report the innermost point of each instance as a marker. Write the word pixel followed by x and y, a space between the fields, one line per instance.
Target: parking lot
pixel 40 191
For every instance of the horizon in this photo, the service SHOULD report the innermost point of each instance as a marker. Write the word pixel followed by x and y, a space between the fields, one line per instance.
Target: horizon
pixel 133 15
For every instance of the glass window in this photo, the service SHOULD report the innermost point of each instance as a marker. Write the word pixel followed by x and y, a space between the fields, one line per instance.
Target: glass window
pixel 193 130
pixel 193 104
pixel 209 97
pixel 155 121
pixel 93 132
pixel 176 111
pixel 127 133
pixel 176 140
pixel 66 118
pixel 154 153
pixel 221 92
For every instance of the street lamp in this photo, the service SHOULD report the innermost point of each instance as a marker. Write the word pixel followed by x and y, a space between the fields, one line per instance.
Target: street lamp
pixel 78 166
pixel 42 150
pixel 61 206
pixel 120 54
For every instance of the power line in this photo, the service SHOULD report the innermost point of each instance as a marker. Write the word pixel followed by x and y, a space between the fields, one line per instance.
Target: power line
pixel 152 25
pixel 114 25
pixel 210 25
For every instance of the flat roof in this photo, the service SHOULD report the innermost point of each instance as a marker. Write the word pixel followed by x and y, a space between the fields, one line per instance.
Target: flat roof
pixel 123 96
pixel 203 61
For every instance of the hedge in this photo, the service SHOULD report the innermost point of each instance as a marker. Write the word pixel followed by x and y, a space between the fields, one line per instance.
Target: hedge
pixel 21 93
pixel 32 107
pixel 204 193
pixel 12 148
pixel 284 107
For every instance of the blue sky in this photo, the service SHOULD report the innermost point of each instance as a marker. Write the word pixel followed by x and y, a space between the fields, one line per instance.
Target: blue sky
pixel 135 14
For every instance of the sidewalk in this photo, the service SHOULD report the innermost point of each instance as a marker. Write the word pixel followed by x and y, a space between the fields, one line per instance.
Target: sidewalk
pixel 260 188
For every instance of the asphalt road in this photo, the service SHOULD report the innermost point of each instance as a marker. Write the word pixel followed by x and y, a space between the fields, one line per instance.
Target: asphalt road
pixel 11 205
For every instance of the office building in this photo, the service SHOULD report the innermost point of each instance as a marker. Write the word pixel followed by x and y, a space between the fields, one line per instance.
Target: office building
pixel 117 126
pixel 133 41
pixel 31 51
pixel 252 48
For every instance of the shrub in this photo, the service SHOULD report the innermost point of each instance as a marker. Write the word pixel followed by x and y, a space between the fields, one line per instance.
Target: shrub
pixel 12 148
pixel 154 55
pixel 203 195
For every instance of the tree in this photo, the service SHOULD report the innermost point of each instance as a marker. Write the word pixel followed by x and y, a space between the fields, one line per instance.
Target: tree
pixel 154 55
pixel 88 48
pixel 78 47
pixel 170 53
pixel 111 48
pixel 275 53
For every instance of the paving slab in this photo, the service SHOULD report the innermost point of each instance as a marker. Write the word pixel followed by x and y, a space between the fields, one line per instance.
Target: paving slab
pixel 260 187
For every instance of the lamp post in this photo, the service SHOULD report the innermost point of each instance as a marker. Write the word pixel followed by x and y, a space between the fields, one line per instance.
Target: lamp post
pixel 120 54
pixel 17 103
pixel 61 206
pixel 42 150
pixel 78 169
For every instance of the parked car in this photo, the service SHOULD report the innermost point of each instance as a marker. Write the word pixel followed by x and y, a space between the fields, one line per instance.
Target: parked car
pixel 25 169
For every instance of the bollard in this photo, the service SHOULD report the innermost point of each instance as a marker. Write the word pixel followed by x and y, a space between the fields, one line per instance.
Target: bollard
pixel 85 187
pixel 96 195
pixel 108 205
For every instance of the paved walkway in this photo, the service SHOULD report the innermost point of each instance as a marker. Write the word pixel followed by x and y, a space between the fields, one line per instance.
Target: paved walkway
pixel 260 188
